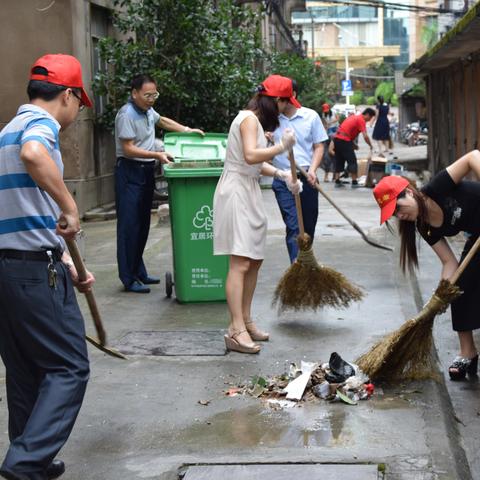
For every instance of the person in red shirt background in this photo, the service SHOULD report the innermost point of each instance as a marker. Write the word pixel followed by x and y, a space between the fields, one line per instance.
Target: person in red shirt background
pixel 344 144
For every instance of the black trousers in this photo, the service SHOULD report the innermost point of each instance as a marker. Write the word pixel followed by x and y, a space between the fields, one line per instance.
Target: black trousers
pixel 344 153
pixel 134 186
pixel 286 202
pixel 465 313
pixel 42 344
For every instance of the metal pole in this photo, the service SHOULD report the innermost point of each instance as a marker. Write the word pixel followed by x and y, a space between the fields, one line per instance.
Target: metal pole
pixel 347 73
pixel 313 36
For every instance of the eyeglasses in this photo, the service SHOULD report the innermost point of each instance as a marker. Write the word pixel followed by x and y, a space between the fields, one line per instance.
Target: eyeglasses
pixel 151 96
pixel 82 106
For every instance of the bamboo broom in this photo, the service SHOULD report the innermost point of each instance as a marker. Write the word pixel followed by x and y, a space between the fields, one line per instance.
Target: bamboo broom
pixel 406 353
pixel 306 284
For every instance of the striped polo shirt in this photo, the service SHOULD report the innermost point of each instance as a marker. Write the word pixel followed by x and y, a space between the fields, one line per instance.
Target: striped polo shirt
pixel 27 213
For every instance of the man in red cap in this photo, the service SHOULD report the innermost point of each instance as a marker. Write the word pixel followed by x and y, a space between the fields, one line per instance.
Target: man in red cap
pixel 42 334
pixel 308 151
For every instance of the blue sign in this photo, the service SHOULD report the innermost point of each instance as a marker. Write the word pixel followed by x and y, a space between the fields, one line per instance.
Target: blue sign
pixel 346 85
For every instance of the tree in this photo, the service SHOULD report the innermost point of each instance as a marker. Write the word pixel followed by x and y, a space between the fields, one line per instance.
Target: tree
pixel 381 69
pixel 317 82
pixel 430 33
pixel 385 90
pixel 202 53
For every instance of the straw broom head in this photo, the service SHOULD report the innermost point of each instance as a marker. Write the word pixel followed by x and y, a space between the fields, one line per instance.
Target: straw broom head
pixel 308 285
pixel 406 353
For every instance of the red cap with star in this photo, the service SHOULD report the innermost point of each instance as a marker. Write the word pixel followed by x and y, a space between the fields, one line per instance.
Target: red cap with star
pixel 278 86
pixel 386 193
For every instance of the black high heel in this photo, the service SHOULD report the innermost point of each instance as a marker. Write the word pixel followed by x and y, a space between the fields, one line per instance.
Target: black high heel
pixel 461 366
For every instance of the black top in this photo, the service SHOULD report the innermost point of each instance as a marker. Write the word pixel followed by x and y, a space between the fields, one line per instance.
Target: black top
pixel 460 204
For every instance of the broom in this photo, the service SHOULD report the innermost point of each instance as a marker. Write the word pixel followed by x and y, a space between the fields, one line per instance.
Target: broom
pixel 344 215
pixel 306 284
pixel 406 353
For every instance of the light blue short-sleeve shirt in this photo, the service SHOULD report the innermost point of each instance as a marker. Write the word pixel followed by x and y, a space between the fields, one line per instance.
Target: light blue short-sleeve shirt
pixel 132 123
pixel 309 131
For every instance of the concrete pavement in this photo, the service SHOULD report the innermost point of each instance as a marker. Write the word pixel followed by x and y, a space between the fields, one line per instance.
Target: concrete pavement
pixel 141 419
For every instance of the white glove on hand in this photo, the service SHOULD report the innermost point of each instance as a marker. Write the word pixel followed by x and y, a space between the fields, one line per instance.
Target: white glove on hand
pixel 286 176
pixel 295 188
pixel 288 139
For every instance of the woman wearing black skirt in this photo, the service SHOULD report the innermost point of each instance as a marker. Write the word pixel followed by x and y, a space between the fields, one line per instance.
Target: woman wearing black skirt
pixel 446 206
pixel 381 130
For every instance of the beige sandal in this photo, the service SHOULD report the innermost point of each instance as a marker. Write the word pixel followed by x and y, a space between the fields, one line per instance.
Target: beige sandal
pixel 256 334
pixel 234 345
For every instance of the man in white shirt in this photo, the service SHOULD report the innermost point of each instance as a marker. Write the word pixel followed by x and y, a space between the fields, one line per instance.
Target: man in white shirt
pixel 308 150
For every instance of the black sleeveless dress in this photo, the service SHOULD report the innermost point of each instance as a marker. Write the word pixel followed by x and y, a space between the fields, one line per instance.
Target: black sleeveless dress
pixel 460 204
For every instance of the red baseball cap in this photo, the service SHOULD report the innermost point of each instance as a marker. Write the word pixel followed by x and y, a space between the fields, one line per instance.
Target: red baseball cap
pixel 325 108
pixel 278 86
pixel 386 193
pixel 62 70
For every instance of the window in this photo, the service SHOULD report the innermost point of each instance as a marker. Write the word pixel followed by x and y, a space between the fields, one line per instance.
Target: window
pixel 100 23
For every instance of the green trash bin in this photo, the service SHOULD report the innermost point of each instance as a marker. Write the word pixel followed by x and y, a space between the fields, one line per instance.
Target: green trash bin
pixel 199 276
pixel 188 146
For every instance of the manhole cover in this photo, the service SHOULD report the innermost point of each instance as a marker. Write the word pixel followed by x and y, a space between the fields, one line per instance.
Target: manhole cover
pixel 282 472
pixel 158 343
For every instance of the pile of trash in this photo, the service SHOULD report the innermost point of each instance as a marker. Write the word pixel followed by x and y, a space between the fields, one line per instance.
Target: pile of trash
pixel 336 380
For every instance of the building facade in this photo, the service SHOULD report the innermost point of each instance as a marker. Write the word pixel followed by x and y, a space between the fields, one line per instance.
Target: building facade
pixel 332 31
pixel 451 70
pixel 73 27
pixel 34 28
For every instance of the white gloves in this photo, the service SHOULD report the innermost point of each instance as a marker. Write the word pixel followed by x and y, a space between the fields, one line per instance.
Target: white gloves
pixel 288 139
pixel 286 176
pixel 295 188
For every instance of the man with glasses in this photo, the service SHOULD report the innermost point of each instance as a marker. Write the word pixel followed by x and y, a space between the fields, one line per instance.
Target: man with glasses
pixel 42 334
pixel 135 178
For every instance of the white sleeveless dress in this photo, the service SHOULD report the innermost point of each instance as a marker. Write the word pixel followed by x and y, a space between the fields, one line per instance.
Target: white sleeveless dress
pixel 239 218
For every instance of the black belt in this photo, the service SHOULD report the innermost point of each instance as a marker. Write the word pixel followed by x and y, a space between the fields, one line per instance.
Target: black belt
pixel 137 163
pixel 41 256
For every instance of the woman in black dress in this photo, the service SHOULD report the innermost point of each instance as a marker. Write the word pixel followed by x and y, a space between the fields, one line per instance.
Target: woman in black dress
pixel 446 206
pixel 381 130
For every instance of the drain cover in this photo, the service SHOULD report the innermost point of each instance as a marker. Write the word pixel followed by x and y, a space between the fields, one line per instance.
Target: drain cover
pixel 182 342
pixel 282 472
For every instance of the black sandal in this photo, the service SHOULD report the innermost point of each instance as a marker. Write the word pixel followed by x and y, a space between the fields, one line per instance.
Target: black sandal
pixel 461 366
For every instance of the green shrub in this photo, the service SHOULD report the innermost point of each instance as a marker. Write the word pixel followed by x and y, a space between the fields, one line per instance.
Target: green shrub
pixel 357 98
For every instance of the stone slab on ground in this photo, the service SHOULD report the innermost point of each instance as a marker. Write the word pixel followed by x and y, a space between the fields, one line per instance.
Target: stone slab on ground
pixel 282 472
pixel 173 343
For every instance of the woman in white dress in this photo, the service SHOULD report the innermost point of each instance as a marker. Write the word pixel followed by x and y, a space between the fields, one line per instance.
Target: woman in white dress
pixel 240 221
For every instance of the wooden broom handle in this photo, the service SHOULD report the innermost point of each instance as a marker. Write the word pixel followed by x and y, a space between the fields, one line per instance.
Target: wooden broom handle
pixel 298 203
pixel 453 279
pixel 92 304
pixel 329 198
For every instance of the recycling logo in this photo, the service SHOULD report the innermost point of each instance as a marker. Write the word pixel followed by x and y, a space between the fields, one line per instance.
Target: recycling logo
pixel 204 218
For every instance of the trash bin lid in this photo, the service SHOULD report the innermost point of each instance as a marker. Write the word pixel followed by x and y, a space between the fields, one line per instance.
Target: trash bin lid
pixel 189 167
pixel 189 146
